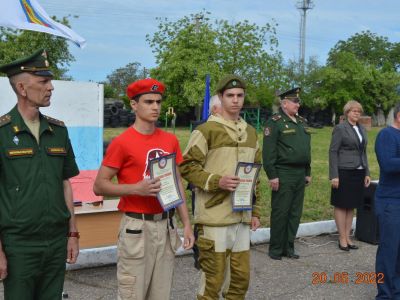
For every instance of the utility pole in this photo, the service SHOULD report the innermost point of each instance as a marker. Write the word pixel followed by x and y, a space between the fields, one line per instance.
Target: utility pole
pixel 303 6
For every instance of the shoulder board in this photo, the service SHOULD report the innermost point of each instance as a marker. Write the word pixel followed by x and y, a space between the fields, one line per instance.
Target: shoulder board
pixel 302 119
pixel 54 121
pixel 276 117
pixel 5 119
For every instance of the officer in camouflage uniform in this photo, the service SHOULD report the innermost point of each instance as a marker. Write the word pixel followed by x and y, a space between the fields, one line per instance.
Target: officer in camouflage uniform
pixel 38 233
pixel 286 159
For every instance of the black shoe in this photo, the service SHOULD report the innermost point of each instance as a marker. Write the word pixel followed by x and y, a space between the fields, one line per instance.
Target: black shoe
pixel 343 248
pixel 275 257
pixel 293 256
pixel 352 247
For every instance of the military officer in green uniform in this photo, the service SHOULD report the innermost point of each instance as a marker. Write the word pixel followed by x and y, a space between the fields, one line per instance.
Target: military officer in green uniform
pixel 38 233
pixel 286 160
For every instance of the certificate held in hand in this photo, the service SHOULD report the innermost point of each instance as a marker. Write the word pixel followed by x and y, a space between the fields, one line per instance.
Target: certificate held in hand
pixel 242 197
pixel 164 167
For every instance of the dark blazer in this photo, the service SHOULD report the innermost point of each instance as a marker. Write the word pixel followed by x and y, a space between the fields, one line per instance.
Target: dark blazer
pixel 346 151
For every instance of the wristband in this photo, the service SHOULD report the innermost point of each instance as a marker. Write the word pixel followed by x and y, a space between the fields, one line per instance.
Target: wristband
pixel 74 234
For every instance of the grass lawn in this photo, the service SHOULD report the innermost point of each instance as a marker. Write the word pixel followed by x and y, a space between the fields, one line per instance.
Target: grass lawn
pixel 317 197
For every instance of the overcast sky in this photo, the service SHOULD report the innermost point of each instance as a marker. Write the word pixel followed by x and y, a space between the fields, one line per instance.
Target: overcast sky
pixel 116 30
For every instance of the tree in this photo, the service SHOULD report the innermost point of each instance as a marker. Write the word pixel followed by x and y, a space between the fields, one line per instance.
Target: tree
pixel 15 44
pixel 109 91
pixel 369 48
pixel 382 60
pixel 120 78
pixel 349 78
pixel 185 51
pixel 190 48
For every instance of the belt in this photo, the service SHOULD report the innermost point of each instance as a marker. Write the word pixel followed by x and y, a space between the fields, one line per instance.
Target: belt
pixel 151 217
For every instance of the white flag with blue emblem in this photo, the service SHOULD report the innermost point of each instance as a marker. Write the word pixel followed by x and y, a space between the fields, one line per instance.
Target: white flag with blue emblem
pixel 29 15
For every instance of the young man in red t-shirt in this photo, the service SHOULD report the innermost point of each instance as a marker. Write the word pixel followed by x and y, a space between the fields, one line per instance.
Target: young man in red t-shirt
pixel 148 237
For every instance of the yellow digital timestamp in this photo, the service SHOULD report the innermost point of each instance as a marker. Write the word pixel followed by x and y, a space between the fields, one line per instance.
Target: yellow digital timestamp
pixel 346 278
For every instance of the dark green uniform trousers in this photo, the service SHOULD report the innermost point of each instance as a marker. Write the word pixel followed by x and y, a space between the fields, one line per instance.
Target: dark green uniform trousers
pixel 286 210
pixel 35 272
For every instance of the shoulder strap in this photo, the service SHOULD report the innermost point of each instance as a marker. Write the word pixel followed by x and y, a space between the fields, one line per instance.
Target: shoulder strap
pixel 54 121
pixel 5 119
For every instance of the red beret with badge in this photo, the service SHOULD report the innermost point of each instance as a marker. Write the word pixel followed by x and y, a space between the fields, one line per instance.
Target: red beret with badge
pixel 144 86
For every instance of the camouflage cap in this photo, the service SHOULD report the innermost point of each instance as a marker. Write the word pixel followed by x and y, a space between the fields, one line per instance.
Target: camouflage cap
pixel 36 64
pixel 229 82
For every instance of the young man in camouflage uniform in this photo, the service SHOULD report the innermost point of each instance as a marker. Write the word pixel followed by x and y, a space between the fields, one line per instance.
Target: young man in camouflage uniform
pixel 210 161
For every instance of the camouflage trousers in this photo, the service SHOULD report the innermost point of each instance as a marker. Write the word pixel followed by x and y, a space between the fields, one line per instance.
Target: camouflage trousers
pixel 224 258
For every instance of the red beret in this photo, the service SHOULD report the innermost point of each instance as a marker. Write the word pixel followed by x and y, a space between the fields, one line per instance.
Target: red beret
pixel 144 86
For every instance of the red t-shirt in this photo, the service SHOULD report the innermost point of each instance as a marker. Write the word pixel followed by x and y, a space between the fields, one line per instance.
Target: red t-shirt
pixel 130 153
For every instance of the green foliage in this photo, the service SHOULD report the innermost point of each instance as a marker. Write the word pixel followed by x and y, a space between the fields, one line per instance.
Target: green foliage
pixel 363 68
pixel 369 48
pixel 342 81
pixel 185 52
pixel 15 44
pixel 190 48
pixel 308 81
pixel 120 78
pixel 348 78
pixel 109 91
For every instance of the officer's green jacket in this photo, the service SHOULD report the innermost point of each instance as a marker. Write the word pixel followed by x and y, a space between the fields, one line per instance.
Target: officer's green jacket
pixel 213 151
pixel 32 203
pixel 286 144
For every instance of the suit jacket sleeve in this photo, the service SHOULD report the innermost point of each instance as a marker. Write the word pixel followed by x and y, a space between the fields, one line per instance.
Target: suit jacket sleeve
pixel 364 154
pixel 334 147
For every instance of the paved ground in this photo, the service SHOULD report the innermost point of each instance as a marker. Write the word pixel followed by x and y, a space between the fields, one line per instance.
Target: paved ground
pixel 270 279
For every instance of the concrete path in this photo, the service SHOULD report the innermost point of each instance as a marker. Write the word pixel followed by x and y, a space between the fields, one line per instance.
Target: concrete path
pixel 270 279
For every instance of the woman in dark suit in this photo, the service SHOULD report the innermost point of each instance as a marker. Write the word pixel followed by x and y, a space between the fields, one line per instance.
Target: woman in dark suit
pixel 348 170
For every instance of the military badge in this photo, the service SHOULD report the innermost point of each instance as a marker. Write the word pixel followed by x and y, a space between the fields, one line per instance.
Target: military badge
pixel 267 131
pixel 20 152
pixel 56 151
pixel 16 140
pixel 154 87
pixel 234 83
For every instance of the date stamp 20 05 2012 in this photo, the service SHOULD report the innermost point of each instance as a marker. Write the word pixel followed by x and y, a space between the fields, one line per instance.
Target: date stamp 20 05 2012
pixel 346 278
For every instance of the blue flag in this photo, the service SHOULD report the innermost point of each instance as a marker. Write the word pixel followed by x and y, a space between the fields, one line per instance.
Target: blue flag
pixel 206 104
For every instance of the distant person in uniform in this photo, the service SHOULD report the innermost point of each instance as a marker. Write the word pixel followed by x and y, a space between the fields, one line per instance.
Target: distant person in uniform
pixel 215 109
pixel 348 170
pixel 215 105
pixel 38 233
pixel 387 209
pixel 287 162
pixel 210 160
pixel 148 237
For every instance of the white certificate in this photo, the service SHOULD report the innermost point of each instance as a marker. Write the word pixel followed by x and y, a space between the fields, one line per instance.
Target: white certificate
pixel 164 167
pixel 242 197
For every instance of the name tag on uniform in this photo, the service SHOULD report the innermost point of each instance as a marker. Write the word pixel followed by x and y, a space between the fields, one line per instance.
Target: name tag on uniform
pixel 56 151
pixel 23 152
pixel 289 131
